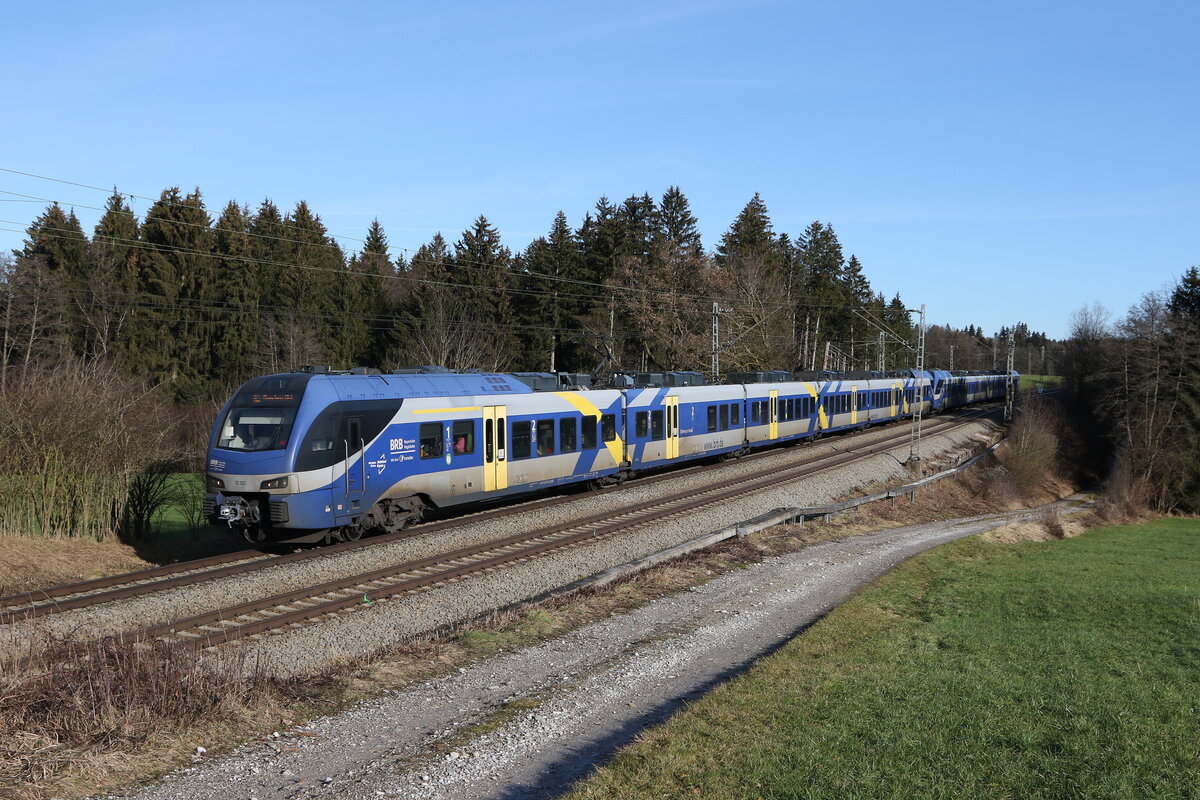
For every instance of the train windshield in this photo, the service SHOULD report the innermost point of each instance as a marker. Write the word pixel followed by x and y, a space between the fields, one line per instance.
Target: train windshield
pixel 256 428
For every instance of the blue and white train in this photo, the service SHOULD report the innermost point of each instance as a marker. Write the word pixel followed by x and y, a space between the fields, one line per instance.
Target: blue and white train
pixel 317 455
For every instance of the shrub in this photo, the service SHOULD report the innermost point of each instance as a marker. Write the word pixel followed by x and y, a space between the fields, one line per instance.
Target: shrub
pixel 1030 456
pixel 75 440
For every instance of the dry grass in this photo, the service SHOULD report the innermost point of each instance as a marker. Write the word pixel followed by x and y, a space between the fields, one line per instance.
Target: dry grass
pixel 33 563
pixel 79 705
pixel 1051 526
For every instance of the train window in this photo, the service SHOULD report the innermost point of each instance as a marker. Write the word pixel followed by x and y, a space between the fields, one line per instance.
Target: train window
pixel 462 434
pixel 754 411
pixel 545 437
pixel 724 413
pixel 430 436
pixel 489 441
pixel 522 445
pixel 566 435
pixel 735 414
pixel 791 408
pixel 589 433
pixel 608 427
pixel 641 425
pixel 712 418
pixel 656 425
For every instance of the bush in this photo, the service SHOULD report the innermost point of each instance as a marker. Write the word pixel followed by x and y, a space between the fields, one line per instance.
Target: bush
pixel 1032 450
pixel 78 699
pixel 77 444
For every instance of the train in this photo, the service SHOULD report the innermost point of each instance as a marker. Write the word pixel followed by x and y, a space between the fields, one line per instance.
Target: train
pixel 320 455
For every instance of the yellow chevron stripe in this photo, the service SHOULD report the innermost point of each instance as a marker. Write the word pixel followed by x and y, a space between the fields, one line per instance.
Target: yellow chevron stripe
pixel 616 448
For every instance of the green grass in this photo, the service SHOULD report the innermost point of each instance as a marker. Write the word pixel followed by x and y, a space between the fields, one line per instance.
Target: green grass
pixel 1031 382
pixel 1068 669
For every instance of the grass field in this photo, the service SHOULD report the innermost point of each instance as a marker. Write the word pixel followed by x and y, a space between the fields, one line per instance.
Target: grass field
pixel 1032 382
pixel 1064 669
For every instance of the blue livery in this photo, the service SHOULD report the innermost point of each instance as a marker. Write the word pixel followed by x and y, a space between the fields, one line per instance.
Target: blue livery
pixel 313 456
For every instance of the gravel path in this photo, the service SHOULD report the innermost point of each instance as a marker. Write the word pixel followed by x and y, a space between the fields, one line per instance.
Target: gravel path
pixel 599 686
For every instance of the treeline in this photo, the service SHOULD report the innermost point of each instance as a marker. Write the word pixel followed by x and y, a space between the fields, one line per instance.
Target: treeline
pixel 1138 379
pixel 197 304
pixel 947 347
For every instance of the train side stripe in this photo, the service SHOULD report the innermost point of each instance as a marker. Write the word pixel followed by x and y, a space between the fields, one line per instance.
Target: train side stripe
pixel 616 447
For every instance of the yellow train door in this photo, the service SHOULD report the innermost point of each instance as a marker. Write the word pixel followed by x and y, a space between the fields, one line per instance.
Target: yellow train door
pixel 672 408
pixel 495 455
pixel 853 405
pixel 774 412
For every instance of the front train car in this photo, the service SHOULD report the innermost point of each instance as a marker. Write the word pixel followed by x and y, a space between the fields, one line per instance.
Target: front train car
pixel 316 456
pixel 254 483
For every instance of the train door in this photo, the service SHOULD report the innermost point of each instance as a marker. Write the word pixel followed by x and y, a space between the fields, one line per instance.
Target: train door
pixel 356 473
pixel 672 409
pixel 853 405
pixel 773 410
pixel 495 452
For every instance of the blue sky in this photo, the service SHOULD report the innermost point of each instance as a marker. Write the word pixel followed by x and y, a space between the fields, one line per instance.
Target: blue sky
pixel 994 161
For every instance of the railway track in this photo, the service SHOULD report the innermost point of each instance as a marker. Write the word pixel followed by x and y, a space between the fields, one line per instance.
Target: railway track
pixel 53 600
pixel 295 608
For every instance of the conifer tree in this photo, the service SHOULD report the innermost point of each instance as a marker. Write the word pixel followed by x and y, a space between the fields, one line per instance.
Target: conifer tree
pixel 373 270
pixel 238 331
pixel 677 227
pixel 170 336
pixel 638 218
pixel 481 268
pixel 271 252
pixel 112 286
pixel 751 236
pixel 57 247
pixel 551 303
pixel 313 284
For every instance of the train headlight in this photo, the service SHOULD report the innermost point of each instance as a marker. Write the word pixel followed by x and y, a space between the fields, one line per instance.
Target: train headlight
pixel 215 483
pixel 275 483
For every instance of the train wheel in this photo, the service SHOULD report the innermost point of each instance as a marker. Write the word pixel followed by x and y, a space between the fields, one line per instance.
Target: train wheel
pixel 350 533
